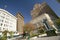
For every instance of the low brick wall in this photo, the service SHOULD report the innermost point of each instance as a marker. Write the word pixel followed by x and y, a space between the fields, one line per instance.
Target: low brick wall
pixel 47 38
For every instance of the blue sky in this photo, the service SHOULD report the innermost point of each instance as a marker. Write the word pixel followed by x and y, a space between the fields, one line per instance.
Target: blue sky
pixel 25 6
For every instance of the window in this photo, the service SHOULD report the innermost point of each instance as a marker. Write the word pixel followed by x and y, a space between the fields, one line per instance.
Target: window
pixel 6 22
pixel 3 13
pixel 5 25
pixel 7 18
pixel 1 24
pixel 3 28
pixel 1 20
pixel 2 17
pixel 10 26
pixel 0 28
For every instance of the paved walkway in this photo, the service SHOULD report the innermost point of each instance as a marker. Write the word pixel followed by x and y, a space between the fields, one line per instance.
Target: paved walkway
pixel 47 38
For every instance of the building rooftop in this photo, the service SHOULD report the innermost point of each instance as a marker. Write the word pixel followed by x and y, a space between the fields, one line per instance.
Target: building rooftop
pixel 7 12
pixel 20 14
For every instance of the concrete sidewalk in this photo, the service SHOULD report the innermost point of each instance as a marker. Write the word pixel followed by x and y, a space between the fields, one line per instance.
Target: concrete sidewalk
pixel 47 38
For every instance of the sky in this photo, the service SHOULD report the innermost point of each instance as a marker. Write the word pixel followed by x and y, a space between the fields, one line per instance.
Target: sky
pixel 25 7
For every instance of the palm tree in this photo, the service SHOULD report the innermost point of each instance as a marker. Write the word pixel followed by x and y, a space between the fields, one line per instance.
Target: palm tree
pixel 4 35
pixel 11 34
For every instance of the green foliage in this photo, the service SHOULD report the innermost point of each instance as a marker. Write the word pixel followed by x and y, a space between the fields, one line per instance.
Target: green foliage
pixel 4 35
pixel 57 21
pixel 41 30
pixel 54 29
pixel 51 33
pixel 58 1
pixel 28 27
pixel 11 34
pixel 33 35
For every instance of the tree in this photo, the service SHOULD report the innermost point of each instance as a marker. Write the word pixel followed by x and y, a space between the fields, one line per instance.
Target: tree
pixel 11 34
pixel 29 27
pixel 4 34
pixel 58 1
pixel 57 21
pixel 41 30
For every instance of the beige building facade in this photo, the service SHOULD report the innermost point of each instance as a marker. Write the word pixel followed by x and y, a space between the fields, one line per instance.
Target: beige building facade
pixel 38 21
pixel 20 23
pixel 41 12
pixel 42 8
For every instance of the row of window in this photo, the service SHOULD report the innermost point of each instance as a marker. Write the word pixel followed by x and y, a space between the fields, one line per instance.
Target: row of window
pixel 2 21
pixel 38 24
pixel 3 28
pixel 5 25
pixel 7 18
pixel 4 14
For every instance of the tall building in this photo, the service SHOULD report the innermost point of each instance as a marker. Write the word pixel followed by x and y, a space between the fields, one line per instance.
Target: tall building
pixel 7 21
pixel 38 22
pixel 20 23
pixel 40 9
pixel 41 12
